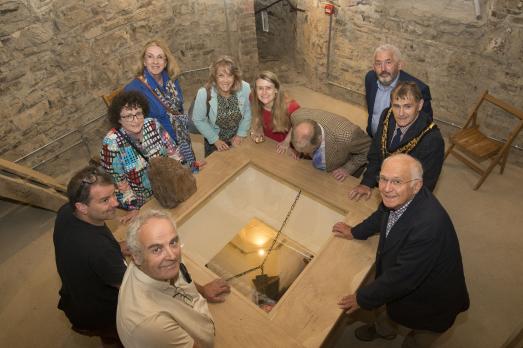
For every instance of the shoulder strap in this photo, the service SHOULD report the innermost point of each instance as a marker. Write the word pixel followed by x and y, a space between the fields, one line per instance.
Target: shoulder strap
pixel 208 90
pixel 133 145
pixel 144 82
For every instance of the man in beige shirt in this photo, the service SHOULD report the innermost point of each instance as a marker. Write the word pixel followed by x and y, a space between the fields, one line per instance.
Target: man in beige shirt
pixel 159 305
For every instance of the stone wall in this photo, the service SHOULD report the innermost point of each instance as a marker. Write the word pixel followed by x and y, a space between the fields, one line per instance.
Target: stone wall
pixel 442 43
pixel 279 41
pixel 57 57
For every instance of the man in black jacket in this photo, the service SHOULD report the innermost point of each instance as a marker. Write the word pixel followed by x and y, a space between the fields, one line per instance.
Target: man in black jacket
pixel 380 82
pixel 419 270
pixel 404 128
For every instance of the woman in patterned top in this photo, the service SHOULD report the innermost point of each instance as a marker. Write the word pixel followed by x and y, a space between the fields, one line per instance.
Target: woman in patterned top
pixel 271 111
pixel 222 111
pixel 128 146
pixel 157 80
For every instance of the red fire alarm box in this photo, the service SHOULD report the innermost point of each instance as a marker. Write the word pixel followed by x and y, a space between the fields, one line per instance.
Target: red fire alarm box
pixel 329 9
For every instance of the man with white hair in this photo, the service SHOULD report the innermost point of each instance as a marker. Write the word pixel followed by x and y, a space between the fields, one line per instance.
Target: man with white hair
pixel 159 305
pixel 419 270
pixel 380 82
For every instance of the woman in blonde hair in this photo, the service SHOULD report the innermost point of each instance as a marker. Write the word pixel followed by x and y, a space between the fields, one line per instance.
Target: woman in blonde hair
pixel 157 80
pixel 222 111
pixel 271 111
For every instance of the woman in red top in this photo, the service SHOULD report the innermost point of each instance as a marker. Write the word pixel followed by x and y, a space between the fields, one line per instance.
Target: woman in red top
pixel 271 111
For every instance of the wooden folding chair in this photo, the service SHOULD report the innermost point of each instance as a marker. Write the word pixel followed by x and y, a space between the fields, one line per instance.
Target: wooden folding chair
pixel 475 147
pixel 109 97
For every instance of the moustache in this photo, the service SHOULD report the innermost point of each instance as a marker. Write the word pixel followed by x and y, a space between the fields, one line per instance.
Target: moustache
pixel 169 263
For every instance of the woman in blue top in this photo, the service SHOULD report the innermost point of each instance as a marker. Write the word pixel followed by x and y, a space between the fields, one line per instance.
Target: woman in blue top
pixel 226 120
pixel 157 80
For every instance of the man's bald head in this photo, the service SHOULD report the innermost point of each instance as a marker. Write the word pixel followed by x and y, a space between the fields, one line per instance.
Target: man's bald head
pixel 401 178
pixel 402 159
pixel 306 136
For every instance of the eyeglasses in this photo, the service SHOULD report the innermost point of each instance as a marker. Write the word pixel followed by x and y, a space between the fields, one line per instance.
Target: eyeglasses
pixel 188 299
pixel 394 182
pixel 87 180
pixel 131 117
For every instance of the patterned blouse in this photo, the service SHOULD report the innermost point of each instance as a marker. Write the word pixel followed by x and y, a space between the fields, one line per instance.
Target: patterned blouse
pixel 229 116
pixel 128 168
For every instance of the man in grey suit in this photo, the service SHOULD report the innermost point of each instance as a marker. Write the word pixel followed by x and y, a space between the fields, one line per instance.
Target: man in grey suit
pixel 335 144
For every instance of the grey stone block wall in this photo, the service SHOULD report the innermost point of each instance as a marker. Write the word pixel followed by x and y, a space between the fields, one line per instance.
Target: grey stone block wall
pixel 57 57
pixel 442 43
pixel 279 42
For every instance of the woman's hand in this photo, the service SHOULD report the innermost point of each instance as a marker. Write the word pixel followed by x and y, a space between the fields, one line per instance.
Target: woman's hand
pixel 221 145
pixel 236 140
pixel 282 147
pixel 285 145
pixel 257 137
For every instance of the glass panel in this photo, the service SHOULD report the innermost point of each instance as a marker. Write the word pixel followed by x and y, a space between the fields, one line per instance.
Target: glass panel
pixel 251 267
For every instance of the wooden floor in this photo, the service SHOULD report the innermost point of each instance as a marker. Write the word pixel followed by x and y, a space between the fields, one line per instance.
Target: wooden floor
pixel 488 222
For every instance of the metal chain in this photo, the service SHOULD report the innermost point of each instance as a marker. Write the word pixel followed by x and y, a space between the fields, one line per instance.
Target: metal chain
pixel 260 267
pixel 281 228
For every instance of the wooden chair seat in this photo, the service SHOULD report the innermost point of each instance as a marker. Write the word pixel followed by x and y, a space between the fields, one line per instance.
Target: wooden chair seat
pixel 472 147
pixel 476 144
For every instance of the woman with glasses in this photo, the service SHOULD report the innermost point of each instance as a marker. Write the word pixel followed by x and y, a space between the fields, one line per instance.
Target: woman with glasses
pixel 222 112
pixel 271 111
pixel 157 80
pixel 128 147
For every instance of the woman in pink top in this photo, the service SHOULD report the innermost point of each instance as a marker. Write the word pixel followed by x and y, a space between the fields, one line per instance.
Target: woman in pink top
pixel 271 111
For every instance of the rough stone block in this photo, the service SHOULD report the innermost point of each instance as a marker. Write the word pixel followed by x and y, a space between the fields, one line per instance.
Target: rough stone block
pixel 25 120
pixel 59 56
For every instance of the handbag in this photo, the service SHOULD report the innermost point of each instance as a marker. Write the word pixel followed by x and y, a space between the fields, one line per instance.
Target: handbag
pixel 171 182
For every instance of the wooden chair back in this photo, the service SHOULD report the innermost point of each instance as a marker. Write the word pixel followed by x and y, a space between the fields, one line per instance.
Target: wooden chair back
pixel 472 146
pixel 108 98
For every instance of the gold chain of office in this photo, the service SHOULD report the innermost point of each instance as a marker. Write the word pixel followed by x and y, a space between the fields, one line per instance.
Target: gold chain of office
pixel 408 147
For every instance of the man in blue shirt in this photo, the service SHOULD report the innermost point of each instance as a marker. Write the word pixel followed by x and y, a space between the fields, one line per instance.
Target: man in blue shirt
pixel 380 82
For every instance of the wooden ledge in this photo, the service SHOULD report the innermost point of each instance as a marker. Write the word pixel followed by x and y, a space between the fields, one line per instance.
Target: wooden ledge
pixel 308 310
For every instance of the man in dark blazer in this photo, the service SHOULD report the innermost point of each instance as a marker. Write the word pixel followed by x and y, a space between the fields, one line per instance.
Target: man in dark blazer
pixel 419 270
pixel 334 143
pixel 404 128
pixel 381 81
